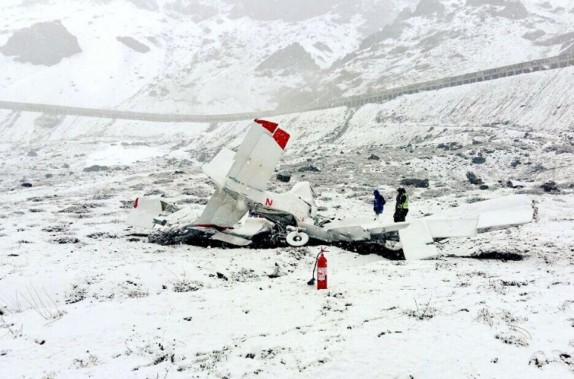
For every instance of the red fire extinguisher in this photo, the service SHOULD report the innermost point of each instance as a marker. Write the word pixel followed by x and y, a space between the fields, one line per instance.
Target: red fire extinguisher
pixel 322 271
pixel 321 266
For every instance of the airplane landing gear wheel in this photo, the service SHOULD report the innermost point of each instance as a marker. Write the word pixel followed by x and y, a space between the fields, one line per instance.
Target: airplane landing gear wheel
pixel 297 239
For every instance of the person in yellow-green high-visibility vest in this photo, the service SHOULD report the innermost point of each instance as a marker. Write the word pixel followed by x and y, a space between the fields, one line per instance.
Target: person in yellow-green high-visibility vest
pixel 402 205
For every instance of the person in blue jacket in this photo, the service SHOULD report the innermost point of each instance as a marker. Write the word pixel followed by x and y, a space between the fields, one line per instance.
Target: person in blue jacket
pixel 378 204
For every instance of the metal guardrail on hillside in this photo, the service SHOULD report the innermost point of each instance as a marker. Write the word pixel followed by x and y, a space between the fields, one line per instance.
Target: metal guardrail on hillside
pixel 473 77
pixel 352 101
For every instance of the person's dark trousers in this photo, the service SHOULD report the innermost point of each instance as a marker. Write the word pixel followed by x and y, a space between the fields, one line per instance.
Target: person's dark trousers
pixel 400 215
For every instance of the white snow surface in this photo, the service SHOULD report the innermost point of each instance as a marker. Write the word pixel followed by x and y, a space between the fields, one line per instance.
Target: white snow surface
pixel 81 297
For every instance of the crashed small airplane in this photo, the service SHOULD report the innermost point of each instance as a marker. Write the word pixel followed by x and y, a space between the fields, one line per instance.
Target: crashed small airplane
pixel 242 213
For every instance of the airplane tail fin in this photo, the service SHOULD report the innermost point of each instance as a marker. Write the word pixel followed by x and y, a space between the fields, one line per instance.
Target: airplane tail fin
pixel 256 159
pixel 243 174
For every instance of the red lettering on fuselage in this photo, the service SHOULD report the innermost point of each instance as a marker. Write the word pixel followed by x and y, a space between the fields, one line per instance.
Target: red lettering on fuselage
pixel 268 202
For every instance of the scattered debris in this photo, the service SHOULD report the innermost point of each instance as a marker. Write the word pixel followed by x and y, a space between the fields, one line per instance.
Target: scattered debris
pixel 497 255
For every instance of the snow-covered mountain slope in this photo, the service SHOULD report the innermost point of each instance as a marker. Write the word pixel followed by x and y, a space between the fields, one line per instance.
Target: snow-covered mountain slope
pixel 442 38
pixel 80 297
pixel 169 55
pixel 228 56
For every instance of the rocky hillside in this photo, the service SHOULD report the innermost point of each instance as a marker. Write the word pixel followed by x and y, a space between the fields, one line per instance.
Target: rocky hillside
pixel 192 56
pixel 440 38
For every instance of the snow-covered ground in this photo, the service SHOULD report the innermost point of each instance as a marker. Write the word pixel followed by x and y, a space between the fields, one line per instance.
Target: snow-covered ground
pixel 83 297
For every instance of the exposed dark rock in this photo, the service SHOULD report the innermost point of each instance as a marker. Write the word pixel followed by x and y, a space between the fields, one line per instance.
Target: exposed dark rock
pixel 428 7
pixel 284 177
pixel 134 44
pixel 473 179
pixel 560 39
pixel 449 146
pixel 418 183
pixel 81 208
pixel 560 149
pixel 405 14
pixel 511 184
pixel 66 240
pixel 550 186
pixel 96 168
pixel 222 276
pixel 537 168
pixel 436 39
pixel 389 31
pixel 55 229
pixel 515 163
pixel 478 160
pixel 310 168
pixel 293 58
pixel 514 10
pixel 44 43
pixel 534 35
pixel 185 285
pixel 483 187
pixel 26 184
pixel 155 192
pixel 99 235
pixel 374 157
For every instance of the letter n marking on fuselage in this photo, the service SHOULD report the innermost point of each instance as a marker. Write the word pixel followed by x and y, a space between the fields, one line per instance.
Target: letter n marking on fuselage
pixel 268 202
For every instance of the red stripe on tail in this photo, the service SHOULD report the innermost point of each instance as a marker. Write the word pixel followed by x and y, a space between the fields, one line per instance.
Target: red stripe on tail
pixel 269 125
pixel 281 137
